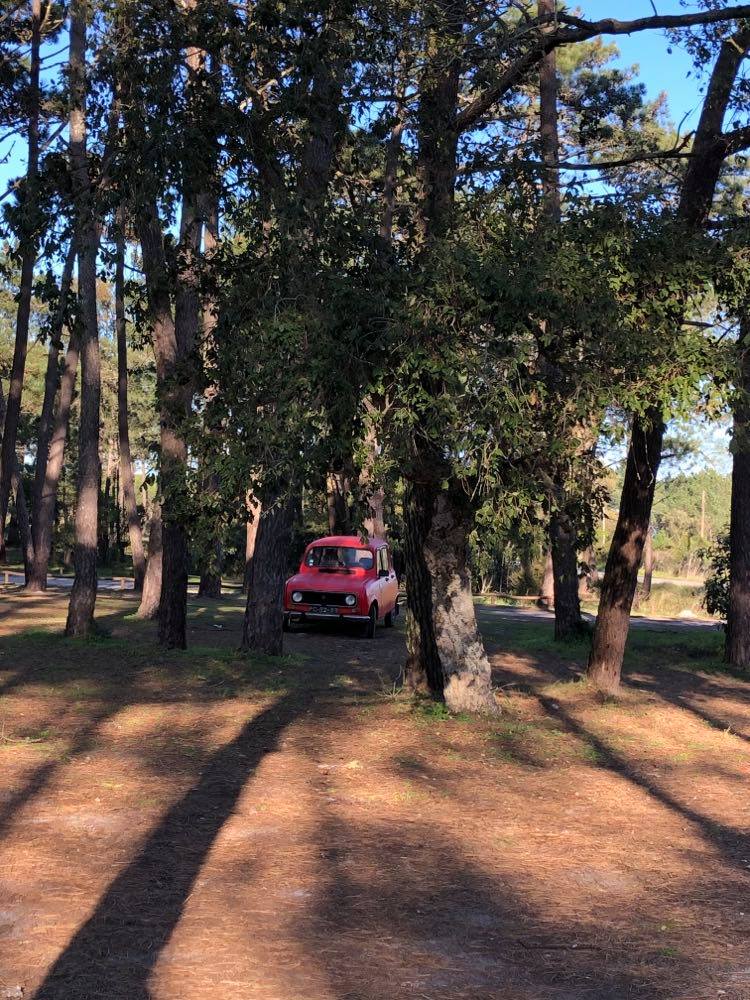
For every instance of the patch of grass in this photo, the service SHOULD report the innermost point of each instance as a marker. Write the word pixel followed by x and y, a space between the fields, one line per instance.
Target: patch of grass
pixel 426 710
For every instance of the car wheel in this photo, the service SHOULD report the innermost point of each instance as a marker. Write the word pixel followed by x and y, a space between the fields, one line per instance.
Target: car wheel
pixel 286 626
pixel 372 621
pixel 388 620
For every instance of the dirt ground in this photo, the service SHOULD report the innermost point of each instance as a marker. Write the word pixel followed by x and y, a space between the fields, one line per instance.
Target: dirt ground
pixel 187 826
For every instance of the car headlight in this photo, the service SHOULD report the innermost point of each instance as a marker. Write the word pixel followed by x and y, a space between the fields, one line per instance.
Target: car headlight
pixel 297 597
pixel 351 600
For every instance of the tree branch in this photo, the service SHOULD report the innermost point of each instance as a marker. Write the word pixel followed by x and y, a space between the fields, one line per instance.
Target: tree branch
pixel 579 30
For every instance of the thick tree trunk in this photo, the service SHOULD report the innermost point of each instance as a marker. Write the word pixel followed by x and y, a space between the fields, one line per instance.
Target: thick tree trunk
pixel 45 489
pixel 135 533
pixel 151 596
pixel 737 648
pixel 565 576
pixel 29 244
pixel 262 630
pixel 83 594
pixel 445 651
pixel 626 551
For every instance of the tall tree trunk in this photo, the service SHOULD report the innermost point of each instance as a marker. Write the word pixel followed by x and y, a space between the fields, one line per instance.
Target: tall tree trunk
pixel 626 552
pixel 151 595
pixel 173 447
pixel 445 650
pixel 563 539
pixel 83 594
pixel 563 534
pixel 737 648
pixel 29 243
pixel 621 573
pixel 135 533
pixel 262 630
pixel 45 489
pixel 47 418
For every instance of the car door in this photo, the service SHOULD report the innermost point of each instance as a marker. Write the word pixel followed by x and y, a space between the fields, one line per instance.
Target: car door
pixel 389 583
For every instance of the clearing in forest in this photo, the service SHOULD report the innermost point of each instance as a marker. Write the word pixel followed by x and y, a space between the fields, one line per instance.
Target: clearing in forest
pixel 197 825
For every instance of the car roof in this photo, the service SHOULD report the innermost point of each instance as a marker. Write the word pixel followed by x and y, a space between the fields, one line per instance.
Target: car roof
pixel 349 541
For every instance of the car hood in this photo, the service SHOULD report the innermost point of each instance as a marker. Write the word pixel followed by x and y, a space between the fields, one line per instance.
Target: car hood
pixel 332 583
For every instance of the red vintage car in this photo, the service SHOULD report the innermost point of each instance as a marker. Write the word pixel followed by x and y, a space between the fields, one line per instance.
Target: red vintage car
pixel 341 579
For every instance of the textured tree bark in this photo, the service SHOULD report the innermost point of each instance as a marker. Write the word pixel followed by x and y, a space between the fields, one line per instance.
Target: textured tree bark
pixel 590 575
pixel 151 596
pixel 548 583
pixel 625 554
pixel 173 447
pixel 45 492
pixel 696 199
pixel 446 653
pixel 127 481
pixel 251 537
pixel 565 576
pixel 262 630
pixel 737 647
pixel 29 242
pixel 47 423
pixel 83 594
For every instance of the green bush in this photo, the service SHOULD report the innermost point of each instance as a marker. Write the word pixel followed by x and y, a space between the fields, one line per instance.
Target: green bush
pixel 717 580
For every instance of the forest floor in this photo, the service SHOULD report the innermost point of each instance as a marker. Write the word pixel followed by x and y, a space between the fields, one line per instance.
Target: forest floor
pixel 185 826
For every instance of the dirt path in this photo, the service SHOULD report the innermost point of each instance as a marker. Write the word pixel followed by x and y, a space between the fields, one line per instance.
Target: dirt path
pixel 196 827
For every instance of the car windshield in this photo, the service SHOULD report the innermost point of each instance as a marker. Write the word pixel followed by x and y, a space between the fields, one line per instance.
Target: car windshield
pixel 337 557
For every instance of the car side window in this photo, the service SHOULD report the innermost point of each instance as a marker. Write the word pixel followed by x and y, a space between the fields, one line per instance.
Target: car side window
pixel 382 560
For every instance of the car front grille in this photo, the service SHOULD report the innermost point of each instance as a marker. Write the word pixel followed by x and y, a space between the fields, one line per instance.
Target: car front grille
pixel 332 600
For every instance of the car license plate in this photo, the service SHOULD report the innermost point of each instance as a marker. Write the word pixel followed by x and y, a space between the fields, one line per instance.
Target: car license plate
pixel 322 609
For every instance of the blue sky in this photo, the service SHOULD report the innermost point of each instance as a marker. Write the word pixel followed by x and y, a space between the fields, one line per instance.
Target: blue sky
pixel 660 70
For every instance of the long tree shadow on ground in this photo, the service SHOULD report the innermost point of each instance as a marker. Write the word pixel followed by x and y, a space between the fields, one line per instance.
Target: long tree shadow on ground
pixel 115 951
pixel 424 918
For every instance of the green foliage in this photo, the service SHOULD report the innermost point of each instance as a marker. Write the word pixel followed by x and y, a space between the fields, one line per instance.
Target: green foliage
pixel 717 581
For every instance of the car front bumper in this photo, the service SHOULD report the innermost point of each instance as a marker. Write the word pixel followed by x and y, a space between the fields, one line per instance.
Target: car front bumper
pixel 312 616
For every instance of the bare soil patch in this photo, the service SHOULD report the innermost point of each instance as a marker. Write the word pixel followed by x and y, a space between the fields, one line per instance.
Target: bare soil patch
pixel 198 825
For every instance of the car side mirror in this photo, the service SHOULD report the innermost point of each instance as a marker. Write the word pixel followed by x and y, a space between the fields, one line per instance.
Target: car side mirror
pixel 384 573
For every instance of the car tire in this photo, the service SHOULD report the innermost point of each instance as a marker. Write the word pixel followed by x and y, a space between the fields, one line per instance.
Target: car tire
pixel 286 625
pixel 372 621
